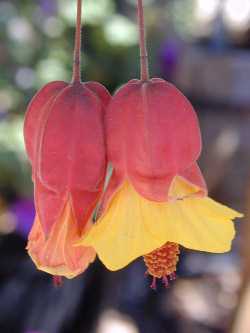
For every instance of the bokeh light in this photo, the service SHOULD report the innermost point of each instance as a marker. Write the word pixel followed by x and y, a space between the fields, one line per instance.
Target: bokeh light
pixel 206 11
pixel 237 14
pixel 114 322
pixel 120 31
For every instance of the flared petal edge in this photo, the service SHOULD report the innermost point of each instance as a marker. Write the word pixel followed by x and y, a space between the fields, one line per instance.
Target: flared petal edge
pixel 55 253
pixel 133 226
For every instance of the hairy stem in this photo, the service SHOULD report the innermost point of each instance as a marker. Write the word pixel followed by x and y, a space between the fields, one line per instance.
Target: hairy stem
pixel 143 46
pixel 77 49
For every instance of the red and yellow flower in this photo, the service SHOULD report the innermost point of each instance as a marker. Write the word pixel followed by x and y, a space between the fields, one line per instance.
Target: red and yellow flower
pixel 157 197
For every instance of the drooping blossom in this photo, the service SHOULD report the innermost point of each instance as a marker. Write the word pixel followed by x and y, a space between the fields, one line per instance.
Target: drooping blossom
pixel 65 143
pixel 157 198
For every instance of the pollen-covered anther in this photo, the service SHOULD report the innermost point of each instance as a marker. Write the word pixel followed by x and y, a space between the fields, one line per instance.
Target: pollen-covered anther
pixel 161 263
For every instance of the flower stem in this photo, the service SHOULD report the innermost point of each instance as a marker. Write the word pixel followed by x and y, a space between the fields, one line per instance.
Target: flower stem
pixel 143 46
pixel 77 49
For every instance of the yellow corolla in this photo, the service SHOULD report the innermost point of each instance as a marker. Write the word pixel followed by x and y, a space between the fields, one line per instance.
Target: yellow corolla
pixel 133 226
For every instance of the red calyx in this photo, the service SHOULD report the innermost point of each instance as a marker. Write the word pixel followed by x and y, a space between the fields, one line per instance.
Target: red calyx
pixel 65 142
pixel 153 135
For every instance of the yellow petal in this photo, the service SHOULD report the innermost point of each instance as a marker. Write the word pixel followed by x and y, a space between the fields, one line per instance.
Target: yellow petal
pixel 134 226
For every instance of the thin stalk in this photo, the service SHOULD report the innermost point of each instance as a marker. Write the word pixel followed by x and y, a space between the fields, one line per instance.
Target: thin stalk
pixel 143 45
pixel 78 42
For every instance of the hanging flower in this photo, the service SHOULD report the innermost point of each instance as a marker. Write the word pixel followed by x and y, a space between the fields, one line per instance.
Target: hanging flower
pixel 157 198
pixel 65 143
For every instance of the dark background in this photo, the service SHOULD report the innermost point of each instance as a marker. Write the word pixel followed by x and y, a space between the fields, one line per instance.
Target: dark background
pixel 201 46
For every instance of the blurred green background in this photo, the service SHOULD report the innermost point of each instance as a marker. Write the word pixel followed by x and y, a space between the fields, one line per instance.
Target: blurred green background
pixel 202 47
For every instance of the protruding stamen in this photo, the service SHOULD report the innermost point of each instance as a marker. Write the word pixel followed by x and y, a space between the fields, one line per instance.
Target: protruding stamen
pixel 165 281
pixel 161 263
pixel 173 276
pixel 153 284
pixel 57 281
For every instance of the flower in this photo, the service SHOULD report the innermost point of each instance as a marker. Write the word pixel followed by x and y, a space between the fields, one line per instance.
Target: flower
pixel 65 143
pixel 64 138
pixel 156 198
